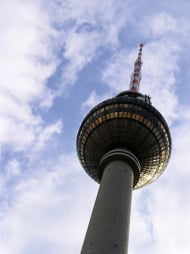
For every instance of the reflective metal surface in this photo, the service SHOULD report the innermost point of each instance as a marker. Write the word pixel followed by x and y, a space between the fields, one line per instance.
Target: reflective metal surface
pixel 130 123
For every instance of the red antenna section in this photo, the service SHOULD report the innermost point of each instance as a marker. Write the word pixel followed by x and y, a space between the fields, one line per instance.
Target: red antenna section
pixel 136 75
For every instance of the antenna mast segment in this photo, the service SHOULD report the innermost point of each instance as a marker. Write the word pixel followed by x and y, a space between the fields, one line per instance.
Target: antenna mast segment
pixel 136 75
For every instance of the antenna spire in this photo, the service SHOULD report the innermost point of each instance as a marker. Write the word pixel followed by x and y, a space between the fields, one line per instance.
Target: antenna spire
pixel 136 74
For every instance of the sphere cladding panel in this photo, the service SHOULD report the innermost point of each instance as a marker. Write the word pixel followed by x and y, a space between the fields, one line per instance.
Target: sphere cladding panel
pixel 129 123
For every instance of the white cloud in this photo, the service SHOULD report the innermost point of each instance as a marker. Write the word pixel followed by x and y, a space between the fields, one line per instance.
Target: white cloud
pixel 160 24
pixel 160 212
pixel 84 28
pixel 93 100
pixel 164 24
pixel 80 48
pixel 28 56
pixel 159 76
pixel 92 14
pixel 13 168
pixel 42 209
pixel 25 48
pixel 26 62
pixel 118 70
pixel 46 134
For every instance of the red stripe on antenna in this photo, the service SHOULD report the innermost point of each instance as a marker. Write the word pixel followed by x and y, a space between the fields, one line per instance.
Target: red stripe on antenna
pixel 136 75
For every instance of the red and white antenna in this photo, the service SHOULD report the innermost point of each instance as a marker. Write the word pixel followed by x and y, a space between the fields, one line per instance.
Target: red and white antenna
pixel 136 75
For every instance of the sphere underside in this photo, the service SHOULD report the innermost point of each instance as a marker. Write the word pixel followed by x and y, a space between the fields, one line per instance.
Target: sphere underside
pixel 129 123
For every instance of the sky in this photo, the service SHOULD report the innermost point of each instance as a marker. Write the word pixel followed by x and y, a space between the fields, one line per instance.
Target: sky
pixel 58 59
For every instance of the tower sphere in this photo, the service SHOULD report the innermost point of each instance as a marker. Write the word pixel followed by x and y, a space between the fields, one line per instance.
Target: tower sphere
pixel 126 121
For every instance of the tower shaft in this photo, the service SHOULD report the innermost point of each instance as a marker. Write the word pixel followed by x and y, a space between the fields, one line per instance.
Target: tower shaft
pixel 109 224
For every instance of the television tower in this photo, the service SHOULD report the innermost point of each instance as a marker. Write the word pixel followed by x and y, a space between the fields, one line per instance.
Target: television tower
pixel 123 143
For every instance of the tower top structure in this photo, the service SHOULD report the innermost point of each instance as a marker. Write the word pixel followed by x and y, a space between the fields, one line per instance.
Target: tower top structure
pixel 126 121
pixel 136 74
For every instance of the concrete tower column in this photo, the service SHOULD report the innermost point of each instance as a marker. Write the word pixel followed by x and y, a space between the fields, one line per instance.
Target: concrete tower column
pixel 109 224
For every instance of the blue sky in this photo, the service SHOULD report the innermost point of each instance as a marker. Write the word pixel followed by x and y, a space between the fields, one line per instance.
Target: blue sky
pixel 57 60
